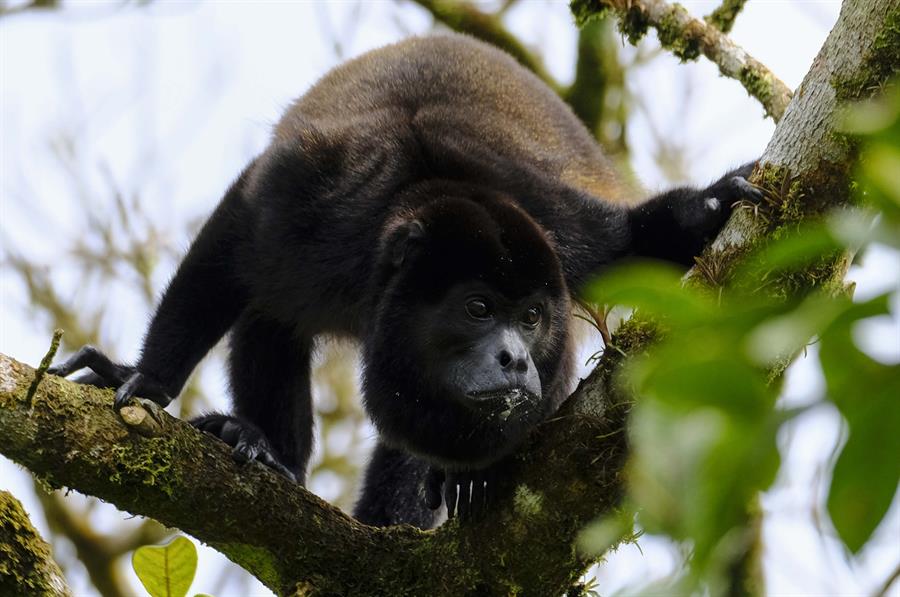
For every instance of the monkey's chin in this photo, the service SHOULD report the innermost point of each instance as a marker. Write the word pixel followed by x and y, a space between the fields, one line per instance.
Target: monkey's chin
pixel 501 403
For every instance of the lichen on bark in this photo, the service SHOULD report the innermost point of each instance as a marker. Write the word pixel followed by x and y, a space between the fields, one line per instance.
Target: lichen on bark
pixel 26 560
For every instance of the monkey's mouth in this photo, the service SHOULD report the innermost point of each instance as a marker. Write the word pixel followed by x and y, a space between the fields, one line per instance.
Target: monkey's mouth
pixel 501 402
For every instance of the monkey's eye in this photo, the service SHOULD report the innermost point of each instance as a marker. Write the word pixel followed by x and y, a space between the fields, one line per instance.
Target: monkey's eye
pixel 478 309
pixel 532 316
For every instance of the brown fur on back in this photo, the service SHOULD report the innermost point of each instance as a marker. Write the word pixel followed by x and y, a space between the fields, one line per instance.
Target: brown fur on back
pixel 457 82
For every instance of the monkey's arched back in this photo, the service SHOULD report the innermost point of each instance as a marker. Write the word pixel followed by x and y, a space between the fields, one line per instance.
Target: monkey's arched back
pixel 467 88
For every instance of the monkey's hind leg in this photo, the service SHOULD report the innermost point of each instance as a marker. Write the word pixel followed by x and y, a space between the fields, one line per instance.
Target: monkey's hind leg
pixel 269 371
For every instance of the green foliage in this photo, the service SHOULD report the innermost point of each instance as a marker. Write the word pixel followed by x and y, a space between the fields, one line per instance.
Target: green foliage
pixel 703 430
pixel 867 392
pixel 166 570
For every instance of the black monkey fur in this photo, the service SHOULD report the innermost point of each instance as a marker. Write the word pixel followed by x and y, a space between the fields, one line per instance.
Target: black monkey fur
pixel 435 200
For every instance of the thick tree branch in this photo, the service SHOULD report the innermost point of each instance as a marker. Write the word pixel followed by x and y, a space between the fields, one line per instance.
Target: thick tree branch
pixel 687 38
pixel 291 540
pixel 26 563
pixel 808 161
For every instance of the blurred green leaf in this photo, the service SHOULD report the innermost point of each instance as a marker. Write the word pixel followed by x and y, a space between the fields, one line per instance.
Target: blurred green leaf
pixel 652 286
pixel 693 473
pixel 784 335
pixel 166 570
pixel 703 428
pixel 870 117
pixel 808 243
pixel 867 471
pixel 717 380
pixel 882 166
pixel 867 393
pixel 601 535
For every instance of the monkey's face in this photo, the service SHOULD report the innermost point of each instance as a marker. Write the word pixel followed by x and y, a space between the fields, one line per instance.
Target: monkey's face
pixel 471 337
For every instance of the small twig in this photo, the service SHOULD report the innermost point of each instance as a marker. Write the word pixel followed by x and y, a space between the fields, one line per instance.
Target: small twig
pixel 723 17
pixel 45 364
pixel 883 591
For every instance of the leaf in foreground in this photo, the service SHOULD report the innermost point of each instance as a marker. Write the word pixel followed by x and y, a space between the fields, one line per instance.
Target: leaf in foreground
pixel 166 570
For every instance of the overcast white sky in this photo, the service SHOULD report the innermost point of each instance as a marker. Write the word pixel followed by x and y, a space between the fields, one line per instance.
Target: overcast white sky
pixel 171 101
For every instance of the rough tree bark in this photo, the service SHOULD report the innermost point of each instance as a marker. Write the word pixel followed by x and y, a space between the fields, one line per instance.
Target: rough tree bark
pixel 149 463
pixel 26 565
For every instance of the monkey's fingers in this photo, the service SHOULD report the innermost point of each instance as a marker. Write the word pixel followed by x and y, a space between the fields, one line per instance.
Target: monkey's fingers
pixel 745 190
pixel 141 385
pixel 245 450
pixel 248 450
pixel 107 374
pixel 90 357
pixel 271 461
pixel 464 501
pixel 247 442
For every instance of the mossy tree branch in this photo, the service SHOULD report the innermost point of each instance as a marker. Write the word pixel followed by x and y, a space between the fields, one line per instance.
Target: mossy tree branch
pixel 722 18
pixel 26 563
pixel 71 437
pixel 567 475
pixel 687 38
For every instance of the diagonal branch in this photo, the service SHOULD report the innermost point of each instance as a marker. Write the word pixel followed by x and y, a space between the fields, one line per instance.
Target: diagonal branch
pixel 687 38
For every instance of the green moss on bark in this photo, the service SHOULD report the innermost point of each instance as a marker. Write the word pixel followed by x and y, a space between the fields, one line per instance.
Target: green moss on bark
pixel 723 17
pixel 26 562
pixel 586 11
pixel 634 24
pixel 760 86
pixel 149 460
pixel 682 41
pixel 880 63
pixel 255 559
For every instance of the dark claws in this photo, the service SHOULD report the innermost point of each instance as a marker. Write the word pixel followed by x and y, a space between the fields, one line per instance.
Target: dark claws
pixel 127 390
pixel 746 190
pixel 270 461
pixel 247 451
pixel 466 494
pixel 248 442
pixel 107 374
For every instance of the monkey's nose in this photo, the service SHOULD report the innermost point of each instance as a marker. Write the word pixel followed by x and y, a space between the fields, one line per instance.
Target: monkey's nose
pixel 510 362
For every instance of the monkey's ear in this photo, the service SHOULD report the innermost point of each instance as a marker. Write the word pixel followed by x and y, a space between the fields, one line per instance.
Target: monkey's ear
pixel 404 239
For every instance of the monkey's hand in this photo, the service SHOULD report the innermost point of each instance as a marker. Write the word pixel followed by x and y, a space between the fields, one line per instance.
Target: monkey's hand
pixel 125 379
pixel 467 494
pixel 676 225
pixel 703 212
pixel 247 441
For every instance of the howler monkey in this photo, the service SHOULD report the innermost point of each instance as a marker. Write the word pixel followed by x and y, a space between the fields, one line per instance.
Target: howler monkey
pixel 437 201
